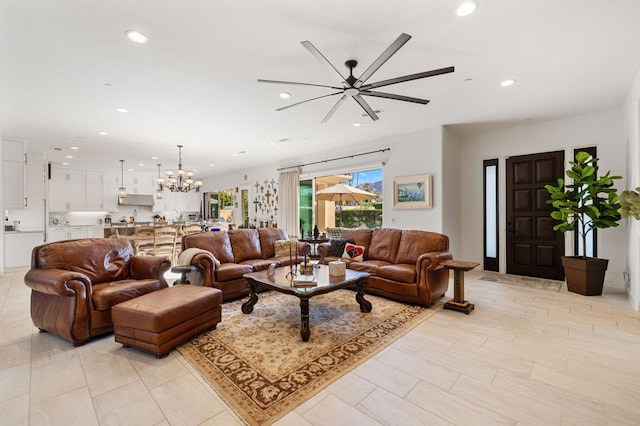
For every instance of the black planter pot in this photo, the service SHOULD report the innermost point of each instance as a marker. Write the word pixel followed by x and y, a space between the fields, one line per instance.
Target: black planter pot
pixel 584 275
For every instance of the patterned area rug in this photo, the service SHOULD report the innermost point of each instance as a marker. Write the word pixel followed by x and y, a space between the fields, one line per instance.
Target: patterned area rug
pixel 521 281
pixel 259 365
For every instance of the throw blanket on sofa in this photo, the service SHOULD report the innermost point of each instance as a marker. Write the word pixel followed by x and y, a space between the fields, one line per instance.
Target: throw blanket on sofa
pixel 185 259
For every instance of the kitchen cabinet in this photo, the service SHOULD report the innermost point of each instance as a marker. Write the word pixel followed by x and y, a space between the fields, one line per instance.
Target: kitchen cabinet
pixel 94 191
pixel 60 233
pixel 18 247
pixel 139 184
pixel 178 201
pixel 110 185
pixel 67 190
pixel 13 173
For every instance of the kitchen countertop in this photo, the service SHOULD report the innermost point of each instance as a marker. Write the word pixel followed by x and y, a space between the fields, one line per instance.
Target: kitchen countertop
pixel 28 231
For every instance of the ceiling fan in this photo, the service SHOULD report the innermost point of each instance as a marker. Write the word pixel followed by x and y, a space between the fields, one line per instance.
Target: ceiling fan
pixel 355 87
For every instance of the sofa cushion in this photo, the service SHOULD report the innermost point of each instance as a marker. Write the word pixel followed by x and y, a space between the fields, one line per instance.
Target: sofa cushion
pixel 337 247
pixel 283 248
pixel 370 266
pixel 398 272
pixel 353 252
pixel 231 271
pixel 384 244
pixel 360 237
pixel 268 236
pixel 101 259
pixel 258 264
pixel 111 293
pixel 245 244
pixel 217 243
pixel 415 243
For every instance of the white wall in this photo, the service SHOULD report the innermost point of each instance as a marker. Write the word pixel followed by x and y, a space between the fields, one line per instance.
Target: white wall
pixel 452 184
pixel 1 208
pixel 631 114
pixel 410 154
pixel 602 129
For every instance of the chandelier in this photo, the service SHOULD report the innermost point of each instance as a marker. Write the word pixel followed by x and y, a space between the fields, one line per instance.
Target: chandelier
pixel 181 181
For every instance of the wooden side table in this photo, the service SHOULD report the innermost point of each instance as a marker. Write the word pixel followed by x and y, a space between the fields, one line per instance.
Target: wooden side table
pixel 183 270
pixel 459 267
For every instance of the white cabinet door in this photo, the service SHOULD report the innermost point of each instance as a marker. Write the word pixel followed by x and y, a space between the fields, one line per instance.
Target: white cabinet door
pixel 36 183
pixel 110 184
pixel 96 231
pixel 57 233
pixel 67 190
pixel 13 184
pixel 94 191
pixel 58 195
pixel 78 232
pixel 18 248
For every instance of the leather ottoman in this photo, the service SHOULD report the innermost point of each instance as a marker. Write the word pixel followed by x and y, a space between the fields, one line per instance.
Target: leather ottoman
pixel 159 321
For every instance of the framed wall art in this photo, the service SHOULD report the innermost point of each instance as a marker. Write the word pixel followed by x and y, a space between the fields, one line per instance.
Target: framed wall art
pixel 413 192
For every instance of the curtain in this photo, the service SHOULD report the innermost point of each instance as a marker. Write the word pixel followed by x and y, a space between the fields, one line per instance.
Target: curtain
pixel 288 201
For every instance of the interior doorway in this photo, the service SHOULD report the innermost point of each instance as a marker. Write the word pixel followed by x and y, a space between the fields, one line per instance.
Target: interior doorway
pixel 533 248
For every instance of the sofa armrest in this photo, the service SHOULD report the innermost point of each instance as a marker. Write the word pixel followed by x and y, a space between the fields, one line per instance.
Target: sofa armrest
pixel 145 267
pixel 435 258
pixel 58 282
pixel 206 263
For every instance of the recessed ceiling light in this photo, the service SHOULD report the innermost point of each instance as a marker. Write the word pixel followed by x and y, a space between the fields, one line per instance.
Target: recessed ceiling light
pixel 235 154
pixel 154 158
pixel 74 147
pixel 122 110
pixel 272 143
pixel 467 7
pixel 141 164
pixel 103 133
pixel 136 36
pixel 69 156
pixel 285 95
pixel 212 165
pixel 65 164
pixel 129 170
pixel 357 124
pixel 507 83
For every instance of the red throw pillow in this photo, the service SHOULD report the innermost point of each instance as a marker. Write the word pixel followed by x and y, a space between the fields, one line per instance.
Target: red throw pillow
pixel 353 252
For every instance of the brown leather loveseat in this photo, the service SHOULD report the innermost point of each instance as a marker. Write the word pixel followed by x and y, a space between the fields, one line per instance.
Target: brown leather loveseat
pixel 76 282
pixel 404 264
pixel 227 256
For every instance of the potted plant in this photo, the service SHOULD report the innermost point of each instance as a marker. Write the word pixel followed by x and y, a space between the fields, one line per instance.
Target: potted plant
pixel 587 203
pixel 630 203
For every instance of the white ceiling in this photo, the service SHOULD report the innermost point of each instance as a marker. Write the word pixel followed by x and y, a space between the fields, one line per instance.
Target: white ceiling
pixel 194 82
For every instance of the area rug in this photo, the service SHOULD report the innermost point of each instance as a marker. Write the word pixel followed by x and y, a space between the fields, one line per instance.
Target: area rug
pixel 261 368
pixel 521 281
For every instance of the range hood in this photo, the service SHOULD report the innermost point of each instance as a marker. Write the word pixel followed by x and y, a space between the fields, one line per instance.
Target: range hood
pixel 136 200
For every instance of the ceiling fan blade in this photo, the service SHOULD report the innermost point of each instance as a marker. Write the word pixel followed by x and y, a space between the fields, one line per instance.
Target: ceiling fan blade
pixel 335 107
pixel 308 100
pixel 260 80
pixel 365 106
pixel 320 57
pixel 408 78
pixel 393 96
pixel 384 57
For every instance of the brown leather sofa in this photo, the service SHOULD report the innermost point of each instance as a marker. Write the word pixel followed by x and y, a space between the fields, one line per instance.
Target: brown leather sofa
pixel 404 264
pixel 238 251
pixel 75 283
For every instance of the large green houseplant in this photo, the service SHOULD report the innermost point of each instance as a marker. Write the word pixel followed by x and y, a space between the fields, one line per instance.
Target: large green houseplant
pixel 587 203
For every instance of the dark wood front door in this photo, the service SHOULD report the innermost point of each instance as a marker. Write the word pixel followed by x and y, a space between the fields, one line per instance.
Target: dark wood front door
pixel 533 247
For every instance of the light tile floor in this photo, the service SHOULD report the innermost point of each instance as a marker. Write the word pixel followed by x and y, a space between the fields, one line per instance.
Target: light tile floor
pixel 524 356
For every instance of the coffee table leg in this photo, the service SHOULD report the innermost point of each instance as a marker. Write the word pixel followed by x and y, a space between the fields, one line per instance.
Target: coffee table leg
pixel 247 307
pixel 365 305
pixel 305 331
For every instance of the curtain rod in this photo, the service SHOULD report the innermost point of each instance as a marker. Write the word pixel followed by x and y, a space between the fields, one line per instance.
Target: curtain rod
pixel 335 159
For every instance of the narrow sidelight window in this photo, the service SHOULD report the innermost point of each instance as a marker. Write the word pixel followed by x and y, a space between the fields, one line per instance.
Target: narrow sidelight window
pixel 490 179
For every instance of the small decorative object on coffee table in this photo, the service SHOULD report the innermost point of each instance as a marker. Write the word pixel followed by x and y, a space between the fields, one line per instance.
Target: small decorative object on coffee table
pixel 281 281
pixel 459 267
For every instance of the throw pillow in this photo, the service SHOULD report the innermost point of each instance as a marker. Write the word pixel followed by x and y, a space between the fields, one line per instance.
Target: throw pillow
pixel 281 247
pixel 334 233
pixel 353 252
pixel 337 247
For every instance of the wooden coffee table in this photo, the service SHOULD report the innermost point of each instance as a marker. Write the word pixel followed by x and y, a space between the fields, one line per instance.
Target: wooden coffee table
pixel 278 281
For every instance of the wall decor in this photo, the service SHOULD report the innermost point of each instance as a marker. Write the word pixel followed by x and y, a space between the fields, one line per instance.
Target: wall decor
pixel 412 192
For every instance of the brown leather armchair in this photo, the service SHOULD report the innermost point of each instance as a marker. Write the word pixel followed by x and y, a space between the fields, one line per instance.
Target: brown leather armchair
pixel 75 283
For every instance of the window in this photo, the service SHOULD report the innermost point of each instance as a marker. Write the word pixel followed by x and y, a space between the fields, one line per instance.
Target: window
pixel 490 180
